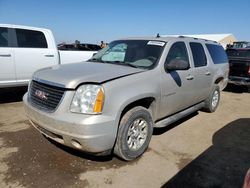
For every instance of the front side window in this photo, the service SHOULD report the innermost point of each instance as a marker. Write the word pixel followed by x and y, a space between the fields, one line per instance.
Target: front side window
pixel 199 55
pixel 3 37
pixel 178 51
pixel 30 39
pixel 135 53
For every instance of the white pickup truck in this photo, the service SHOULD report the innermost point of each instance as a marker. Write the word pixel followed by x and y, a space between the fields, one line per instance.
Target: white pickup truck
pixel 24 50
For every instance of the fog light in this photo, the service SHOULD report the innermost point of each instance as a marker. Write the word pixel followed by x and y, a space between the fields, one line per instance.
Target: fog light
pixel 76 144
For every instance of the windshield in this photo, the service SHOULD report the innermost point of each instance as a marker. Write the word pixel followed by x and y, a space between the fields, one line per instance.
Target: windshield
pixel 238 53
pixel 135 53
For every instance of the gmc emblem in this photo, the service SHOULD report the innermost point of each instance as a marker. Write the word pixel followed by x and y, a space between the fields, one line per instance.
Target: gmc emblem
pixel 41 94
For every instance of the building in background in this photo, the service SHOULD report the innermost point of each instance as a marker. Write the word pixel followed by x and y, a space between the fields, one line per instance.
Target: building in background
pixel 223 39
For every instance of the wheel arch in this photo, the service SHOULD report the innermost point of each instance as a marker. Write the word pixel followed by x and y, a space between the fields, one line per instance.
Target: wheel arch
pixel 220 82
pixel 146 102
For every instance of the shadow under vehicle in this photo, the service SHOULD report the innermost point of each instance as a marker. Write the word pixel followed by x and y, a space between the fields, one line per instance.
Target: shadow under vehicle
pixel 224 164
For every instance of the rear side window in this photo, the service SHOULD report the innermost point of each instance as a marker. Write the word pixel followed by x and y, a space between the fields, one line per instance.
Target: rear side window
pixel 199 55
pixel 3 37
pixel 30 39
pixel 217 53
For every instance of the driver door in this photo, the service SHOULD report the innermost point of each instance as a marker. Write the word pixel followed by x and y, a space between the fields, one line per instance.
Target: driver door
pixel 177 86
pixel 7 64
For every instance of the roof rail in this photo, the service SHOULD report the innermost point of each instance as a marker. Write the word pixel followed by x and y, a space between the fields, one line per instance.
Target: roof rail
pixel 195 38
pixel 206 40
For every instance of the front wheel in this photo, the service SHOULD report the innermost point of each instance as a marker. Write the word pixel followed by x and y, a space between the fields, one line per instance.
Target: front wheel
pixel 134 133
pixel 212 102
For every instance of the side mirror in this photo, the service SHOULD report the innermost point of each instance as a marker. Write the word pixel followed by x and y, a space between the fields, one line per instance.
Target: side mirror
pixel 177 64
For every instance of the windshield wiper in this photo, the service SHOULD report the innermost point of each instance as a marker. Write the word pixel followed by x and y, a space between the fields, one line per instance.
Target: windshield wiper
pixel 113 62
pixel 96 60
pixel 122 63
pixel 131 65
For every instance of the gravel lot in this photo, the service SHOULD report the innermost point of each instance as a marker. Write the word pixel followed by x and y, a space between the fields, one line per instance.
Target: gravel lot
pixel 203 150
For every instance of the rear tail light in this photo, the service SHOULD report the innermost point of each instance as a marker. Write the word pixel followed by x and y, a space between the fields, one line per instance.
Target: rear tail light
pixel 249 69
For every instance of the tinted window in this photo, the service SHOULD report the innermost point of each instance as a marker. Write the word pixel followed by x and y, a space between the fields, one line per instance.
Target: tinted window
pixel 3 37
pixel 95 47
pixel 30 39
pixel 89 47
pixel 242 53
pixel 178 51
pixel 199 55
pixel 217 53
pixel 82 47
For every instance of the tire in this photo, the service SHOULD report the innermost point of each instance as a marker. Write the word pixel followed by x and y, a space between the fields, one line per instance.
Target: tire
pixel 134 133
pixel 212 102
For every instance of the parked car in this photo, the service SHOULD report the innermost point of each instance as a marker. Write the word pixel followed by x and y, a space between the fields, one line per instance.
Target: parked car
pixel 239 61
pixel 24 50
pixel 113 101
pixel 66 47
pixel 79 47
pixel 241 44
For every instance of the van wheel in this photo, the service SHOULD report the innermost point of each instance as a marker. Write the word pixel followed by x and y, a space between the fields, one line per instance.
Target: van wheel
pixel 212 102
pixel 134 133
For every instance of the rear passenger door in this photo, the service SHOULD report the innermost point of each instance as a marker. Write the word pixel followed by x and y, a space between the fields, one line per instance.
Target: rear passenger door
pixel 7 66
pixel 202 72
pixel 32 53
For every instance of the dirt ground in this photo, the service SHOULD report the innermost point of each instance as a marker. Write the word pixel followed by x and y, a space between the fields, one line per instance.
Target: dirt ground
pixel 203 150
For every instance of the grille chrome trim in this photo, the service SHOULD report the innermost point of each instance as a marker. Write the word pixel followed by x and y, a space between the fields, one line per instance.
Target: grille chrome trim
pixel 45 97
pixel 46 82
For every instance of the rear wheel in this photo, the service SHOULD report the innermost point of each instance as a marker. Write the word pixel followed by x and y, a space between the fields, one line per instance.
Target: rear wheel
pixel 212 102
pixel 134 134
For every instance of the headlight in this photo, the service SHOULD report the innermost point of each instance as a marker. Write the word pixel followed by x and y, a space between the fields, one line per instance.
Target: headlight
pixel 88 99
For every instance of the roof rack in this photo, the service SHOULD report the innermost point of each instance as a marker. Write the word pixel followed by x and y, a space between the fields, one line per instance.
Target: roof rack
pixel 195 38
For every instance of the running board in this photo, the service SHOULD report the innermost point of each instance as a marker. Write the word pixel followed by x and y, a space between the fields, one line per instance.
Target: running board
pixel 173 118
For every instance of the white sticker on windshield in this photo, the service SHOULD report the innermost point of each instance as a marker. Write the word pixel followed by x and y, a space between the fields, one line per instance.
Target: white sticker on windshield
pixel 157 43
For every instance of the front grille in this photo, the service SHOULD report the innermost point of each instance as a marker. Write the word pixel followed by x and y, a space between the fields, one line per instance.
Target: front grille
pixel 45 97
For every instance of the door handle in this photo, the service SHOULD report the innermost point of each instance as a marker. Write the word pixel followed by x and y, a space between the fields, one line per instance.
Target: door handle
pixel 189 77
pixel 208 73
pixel 49 55
pixel 5 55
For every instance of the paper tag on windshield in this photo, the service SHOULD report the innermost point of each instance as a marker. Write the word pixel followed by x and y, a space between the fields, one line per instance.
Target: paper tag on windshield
pixel 157 43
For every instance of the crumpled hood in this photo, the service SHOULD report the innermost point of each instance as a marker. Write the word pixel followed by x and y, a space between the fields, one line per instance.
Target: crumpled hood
pixel 71 75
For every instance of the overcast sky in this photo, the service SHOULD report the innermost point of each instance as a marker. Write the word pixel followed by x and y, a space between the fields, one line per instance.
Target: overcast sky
pixel 96 20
